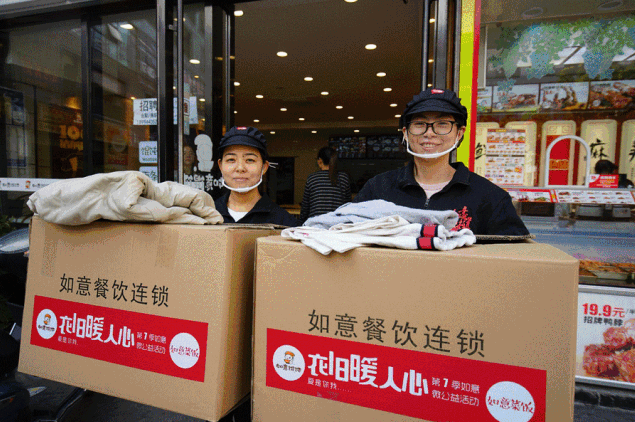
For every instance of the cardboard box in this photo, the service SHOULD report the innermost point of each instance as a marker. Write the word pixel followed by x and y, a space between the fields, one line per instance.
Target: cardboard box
pixel 484 333
pixel 154 313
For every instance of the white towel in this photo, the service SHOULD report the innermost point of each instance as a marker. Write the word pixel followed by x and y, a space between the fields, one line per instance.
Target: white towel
pixel 392 231
pixel 122 196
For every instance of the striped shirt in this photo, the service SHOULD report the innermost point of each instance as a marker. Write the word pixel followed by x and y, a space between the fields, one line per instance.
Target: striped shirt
pixel 320 196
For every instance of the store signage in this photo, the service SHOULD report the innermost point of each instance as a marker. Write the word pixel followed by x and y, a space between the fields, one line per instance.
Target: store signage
pixel 145 111
pixel 406 382
pixel 605 349
pixel 604 181
pixel 148 152
pixel 151 171
pixel 24 184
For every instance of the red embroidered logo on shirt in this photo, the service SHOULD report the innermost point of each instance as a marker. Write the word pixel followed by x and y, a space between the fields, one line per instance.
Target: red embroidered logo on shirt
pixel 437 91
pixel 464 220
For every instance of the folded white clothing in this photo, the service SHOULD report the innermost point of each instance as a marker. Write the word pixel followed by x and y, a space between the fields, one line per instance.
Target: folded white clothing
pixel 356 212
pixel 122 196
pixel 392 231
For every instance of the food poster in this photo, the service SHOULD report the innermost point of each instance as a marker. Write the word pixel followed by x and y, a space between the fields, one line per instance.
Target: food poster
pixel 564 96
pixel 518 98
pixel 65 131
pixel 560 165
pixel 627 153
pixel 505 156
pixel 606 331
pixel 484 100
pixel 480 142
pixel 611 94
pixel 531 129
pixel 601 136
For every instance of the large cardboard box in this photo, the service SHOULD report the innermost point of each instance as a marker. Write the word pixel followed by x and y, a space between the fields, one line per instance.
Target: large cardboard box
pixel 485 333
pixel 154 313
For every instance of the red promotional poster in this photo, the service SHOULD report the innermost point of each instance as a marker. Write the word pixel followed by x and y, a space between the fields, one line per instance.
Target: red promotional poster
pixel 405 382
pixel 153 343
pixel 559 164
pixel 606 181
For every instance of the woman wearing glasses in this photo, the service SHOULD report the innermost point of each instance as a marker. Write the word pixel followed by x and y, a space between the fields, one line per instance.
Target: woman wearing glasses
pixel 433 124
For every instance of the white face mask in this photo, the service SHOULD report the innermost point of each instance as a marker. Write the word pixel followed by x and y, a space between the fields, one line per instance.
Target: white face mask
pixel 245 189
pixel 432 155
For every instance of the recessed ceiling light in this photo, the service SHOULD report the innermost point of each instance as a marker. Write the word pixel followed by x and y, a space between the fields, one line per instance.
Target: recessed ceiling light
pixel 393 105
pixel 339 107
pixel 324 93
pixel 432 20
pixel 273 132
pixel 283 109
pixel 534 12
pixel 610 5
pixel 256 121
pixel 282 54
pixel 301 119
pixel 133 98
pixel 429 84
pixel 235 112
pixel 238 13
pixel 196 76
pixel 430 60
pixel 260 96
pixel 173 87
pixel 314 131
pixel 350 117
pixel 370 46
pixel 350 1
pixel 236 83
pixel 356 131
pixel 387 89
pixel 195 61
pixel 202 120
pixel 397 115
pixel 381 74
pixel 126 26
pixel 308 79
pixel 202 100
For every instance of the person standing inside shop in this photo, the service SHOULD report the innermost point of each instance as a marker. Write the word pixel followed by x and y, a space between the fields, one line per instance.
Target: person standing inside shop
pixel 433 124
pixel 326 189
pixel 608 167
pixel 243 164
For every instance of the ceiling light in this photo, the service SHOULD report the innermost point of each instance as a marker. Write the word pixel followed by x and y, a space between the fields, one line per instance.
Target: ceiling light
pixel 350 1
pixel 260 96
pixel 432 20
pixel 236 83
pixel 314 131
pixel 324 93
pixel 610 5
pixel 283 109
pixel 235 112
pixel 350 117
pixel 370 46
pixel 256 121
pixel 202 120
pixel 534 12
pixel 339 107
pixel 430 60
pixel 238 13
pixel 308 79
pixel 196 76
pixel 173 87
pixel 126 26
pixel 195 61
pixel 381 74
pixel 393 105
pixel 387 89
pixel 202 100
pixel 133 98
pixel 429 84
pixel 397 115
pixel 282 54
pixel 301 119
pixel 356 131
pixel 273 132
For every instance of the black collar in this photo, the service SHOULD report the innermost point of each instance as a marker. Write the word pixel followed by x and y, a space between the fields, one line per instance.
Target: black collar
pixel 264 205
pixel 406 175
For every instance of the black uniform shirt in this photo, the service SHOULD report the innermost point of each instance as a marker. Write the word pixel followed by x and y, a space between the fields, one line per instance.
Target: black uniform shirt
pixel 264 212
pixel 482 206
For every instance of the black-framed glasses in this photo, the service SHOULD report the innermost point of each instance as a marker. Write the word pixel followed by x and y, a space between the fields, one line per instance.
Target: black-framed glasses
pixel 441 127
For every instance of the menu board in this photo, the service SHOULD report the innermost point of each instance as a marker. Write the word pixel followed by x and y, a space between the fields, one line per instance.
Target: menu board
pixel 574 196
pixel 349 146
pixel 532 195
pixel 518 98
pixel 378 146
pixel 505 156
pixel 564 96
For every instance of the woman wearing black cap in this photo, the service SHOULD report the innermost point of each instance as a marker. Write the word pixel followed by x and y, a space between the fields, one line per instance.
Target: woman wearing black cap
pixel 433 125
pixel 243 163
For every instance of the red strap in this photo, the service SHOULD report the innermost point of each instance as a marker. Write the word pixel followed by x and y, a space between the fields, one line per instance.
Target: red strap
pixel 429 230
pixel 425 243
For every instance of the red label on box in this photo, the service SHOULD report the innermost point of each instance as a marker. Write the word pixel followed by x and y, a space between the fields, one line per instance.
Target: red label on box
pixel 406 382
pixel 169 346
pixel 607 181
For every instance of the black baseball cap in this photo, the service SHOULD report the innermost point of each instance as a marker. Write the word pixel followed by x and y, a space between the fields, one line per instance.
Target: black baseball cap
pixel 244 135
pixel 434 99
